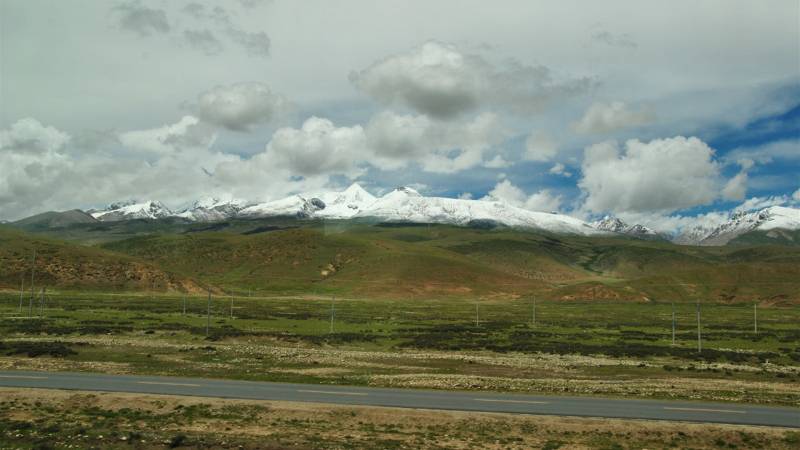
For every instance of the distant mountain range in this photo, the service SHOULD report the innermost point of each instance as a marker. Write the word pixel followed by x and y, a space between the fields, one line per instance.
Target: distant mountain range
pixel 406 205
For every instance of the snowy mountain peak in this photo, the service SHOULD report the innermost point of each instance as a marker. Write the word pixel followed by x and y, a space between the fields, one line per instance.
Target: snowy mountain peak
pixel 741 222
pixel 617 225
pixel 215 202
pixel 211 209
pixel 405 190
pixel 150 209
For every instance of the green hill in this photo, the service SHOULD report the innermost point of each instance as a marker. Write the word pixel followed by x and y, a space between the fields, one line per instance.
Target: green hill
pixel 290 256
pixel 65 265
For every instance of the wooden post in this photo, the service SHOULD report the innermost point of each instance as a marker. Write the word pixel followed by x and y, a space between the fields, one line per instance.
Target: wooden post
pixel 333 311
pixel 208 313
pixel 699 337
pixel 673 323
pixel 755 318
pixel 21 293
pixel 33 272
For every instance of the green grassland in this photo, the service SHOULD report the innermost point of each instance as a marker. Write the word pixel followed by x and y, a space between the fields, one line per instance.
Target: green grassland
pixel 589 348
pixel 295 257
pixel 415 306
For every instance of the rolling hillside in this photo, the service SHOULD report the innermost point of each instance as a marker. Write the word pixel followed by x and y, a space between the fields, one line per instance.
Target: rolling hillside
pixel 290 256
pixel 432 261
pixel 65 265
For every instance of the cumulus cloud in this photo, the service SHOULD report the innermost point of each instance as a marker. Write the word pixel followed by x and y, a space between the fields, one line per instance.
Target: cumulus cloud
pixel 755 203
pixel 736 187
pixel 543 200
pixel 498 162
pixel 318 147
pixel 796 195
pixel 188 133
pixel 559 169
pixel 30 136
pixel 239 106
pixel 441 81
pixel 607 117
pixel 144 21
pixel 539 147
pixel 662 175
pixel 443 147
pixel 41 169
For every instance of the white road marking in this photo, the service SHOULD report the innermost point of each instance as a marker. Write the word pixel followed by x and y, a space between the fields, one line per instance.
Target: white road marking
pixel 25 377
pixel 729 411
pixel 332 392
pixel 168 384
pixel 532 402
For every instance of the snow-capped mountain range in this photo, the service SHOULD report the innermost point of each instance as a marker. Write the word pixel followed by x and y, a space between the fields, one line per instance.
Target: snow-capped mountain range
pixel 741 222
pixel 404 204
pixel 616 225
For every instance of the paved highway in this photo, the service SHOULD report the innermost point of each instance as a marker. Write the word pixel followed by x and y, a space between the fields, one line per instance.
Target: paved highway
pixel 412 398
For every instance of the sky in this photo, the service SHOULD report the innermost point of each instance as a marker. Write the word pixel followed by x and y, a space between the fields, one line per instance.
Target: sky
pixel 669 114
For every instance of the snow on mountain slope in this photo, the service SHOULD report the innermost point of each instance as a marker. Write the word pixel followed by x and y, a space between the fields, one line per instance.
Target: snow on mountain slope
pixel 616 225
pixel 332 205
pixel 740 223
pixel 212 209
pixel 407 205
pixel 133 210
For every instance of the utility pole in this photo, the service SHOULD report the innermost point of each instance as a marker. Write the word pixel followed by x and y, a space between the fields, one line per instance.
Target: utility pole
pixel 184 304
pixel 41 302
pixel 21 293
pixel 208 313
pixel 333 311
pixel 477 319
pixel 33 272
pixel 699 337
pixel 673 323
pixel 231 307
pixel 533 313
pixel 755 318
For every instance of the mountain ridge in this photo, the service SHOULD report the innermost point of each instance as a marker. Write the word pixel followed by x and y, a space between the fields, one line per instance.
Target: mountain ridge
pixel 406 205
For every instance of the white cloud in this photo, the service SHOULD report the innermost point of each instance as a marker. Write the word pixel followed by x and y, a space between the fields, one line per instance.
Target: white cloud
pixel 755 203
pixel 543 200
pixel 439 80
pixel 29 135
pixel 239 106
pixel 442 147
pixel 559 169
pixel 498 162
pixel 188 133
pixel 465 196
pixel 796 195
pixel 607 117
pixel 318 147
pixel 540 147
pixel 662 175
pixel 736 187
pixel 784 150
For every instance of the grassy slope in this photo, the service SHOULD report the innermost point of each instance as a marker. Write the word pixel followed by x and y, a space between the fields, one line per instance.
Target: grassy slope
pixel 448 261
pixel 69 265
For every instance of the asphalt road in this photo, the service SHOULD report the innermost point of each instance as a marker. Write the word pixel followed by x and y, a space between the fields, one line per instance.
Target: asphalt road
pixel 412 398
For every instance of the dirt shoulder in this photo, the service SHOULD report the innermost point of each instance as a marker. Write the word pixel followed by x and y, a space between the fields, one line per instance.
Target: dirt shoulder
pixel 60 419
